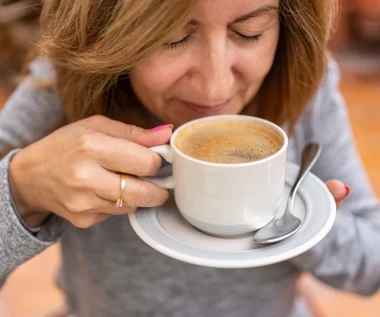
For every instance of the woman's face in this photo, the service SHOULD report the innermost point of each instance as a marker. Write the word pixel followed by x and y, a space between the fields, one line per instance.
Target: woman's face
pixel 215 65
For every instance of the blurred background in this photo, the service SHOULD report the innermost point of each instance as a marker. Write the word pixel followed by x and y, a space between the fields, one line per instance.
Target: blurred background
pixel 355 43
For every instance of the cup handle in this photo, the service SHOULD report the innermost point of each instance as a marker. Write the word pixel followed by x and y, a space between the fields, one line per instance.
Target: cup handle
pixel 166 152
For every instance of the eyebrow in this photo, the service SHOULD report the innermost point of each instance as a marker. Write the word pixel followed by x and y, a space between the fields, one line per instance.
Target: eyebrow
pixel 254 14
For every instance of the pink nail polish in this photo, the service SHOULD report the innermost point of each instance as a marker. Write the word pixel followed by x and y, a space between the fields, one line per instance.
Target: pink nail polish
pixel 162 127
pixel 348 190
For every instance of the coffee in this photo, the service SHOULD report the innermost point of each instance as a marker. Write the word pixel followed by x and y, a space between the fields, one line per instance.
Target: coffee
pixel 229 141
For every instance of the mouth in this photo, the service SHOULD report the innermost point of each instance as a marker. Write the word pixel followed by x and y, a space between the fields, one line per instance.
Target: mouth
pixel 203 109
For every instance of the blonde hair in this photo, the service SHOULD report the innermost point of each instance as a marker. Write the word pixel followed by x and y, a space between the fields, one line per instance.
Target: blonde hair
pixel 94 44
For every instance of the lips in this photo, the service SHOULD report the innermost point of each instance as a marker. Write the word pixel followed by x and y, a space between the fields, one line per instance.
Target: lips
pixel 202 109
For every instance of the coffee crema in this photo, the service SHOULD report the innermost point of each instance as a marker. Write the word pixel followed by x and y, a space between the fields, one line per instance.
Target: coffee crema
pixel 229 141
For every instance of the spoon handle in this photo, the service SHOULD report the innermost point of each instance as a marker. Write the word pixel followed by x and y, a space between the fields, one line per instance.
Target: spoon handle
pixel 310 155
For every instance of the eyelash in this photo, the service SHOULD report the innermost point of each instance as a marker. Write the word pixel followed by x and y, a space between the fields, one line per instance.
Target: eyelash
pixel 253 38
pixel 179 44
pixel 182 43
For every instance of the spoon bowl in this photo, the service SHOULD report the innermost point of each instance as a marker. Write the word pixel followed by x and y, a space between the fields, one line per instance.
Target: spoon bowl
pixel 287 225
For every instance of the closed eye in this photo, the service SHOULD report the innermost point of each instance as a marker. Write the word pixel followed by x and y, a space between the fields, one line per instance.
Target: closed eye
pixel 250 38
pixel 179 44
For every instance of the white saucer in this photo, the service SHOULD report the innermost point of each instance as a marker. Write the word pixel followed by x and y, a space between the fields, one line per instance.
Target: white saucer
pixel 164 229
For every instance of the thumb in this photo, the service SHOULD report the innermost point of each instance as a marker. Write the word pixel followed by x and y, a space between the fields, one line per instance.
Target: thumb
pixel 156 136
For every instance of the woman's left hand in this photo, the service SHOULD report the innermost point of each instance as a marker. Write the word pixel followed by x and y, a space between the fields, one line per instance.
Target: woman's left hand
pixel 339 190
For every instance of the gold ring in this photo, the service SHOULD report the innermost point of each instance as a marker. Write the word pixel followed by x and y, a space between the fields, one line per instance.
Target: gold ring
pixel 123 180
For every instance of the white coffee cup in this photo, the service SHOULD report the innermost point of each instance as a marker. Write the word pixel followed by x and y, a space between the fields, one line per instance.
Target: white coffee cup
pixel 225 199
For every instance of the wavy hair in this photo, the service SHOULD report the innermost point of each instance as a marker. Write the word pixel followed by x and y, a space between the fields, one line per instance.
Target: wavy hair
pixel 93 45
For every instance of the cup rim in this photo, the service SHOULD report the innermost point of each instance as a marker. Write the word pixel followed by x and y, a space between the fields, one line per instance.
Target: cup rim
pixel 237 117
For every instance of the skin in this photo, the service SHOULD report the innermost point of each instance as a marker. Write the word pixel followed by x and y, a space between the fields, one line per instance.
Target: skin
pixel 215 65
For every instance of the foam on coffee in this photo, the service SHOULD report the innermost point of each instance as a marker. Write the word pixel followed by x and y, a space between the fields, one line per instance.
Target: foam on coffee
pixel 229 141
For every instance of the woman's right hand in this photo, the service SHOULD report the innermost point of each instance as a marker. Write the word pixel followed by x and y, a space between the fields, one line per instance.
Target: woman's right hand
pixel 73 172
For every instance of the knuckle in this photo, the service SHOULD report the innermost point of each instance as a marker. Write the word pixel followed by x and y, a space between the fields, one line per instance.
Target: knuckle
pixel 87 142
pixel 154 163
pixel 80 177
pixel 131 131
pixel 150 165
pixel 84 221
pixel 73 206
pixel 96 120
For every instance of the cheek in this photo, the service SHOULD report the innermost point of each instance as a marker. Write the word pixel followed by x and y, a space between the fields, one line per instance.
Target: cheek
pixel 156 75
pixel 256 62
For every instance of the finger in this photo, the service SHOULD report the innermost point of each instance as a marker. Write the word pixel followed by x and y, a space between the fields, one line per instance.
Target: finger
pixel 86 202
pixel 86 207
pixel 87 220
pixel 120 155
pixel 137 192
pixel 156 136
pixel 339 190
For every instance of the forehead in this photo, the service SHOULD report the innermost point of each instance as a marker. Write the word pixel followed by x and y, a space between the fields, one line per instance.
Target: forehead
pixel 227 11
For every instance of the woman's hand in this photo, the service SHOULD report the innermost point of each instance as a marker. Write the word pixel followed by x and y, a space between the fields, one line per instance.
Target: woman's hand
pixel 339 190
pixel 73 172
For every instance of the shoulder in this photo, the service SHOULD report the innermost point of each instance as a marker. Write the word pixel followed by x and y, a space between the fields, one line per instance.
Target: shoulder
pixel 328 92
pixel 329 85
pixel 41 68
pixel 326 111
pixel 33 97
pixel 327 100
pixel 332 75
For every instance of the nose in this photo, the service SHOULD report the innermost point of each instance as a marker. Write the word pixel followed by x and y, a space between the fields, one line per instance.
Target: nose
pixel 213 74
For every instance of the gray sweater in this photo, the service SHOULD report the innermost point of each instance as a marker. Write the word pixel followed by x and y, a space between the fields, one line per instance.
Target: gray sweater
pixel 107 271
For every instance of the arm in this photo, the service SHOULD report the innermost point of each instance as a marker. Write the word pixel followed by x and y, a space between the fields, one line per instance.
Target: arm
pixel 29 114
pixel 349 257
pixel 17 244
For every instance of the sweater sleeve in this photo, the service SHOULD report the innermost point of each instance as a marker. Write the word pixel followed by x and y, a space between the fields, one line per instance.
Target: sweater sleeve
pixel 349 256
pixel 29 114
pixel 17 244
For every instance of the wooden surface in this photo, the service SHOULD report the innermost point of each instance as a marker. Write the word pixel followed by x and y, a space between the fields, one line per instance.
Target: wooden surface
pixel 31 289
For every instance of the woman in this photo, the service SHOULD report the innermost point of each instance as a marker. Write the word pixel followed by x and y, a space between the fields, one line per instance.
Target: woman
pixel 123 67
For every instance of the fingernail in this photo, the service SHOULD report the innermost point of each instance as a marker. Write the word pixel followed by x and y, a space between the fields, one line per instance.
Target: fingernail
pixel 162 127
pixel 348 190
